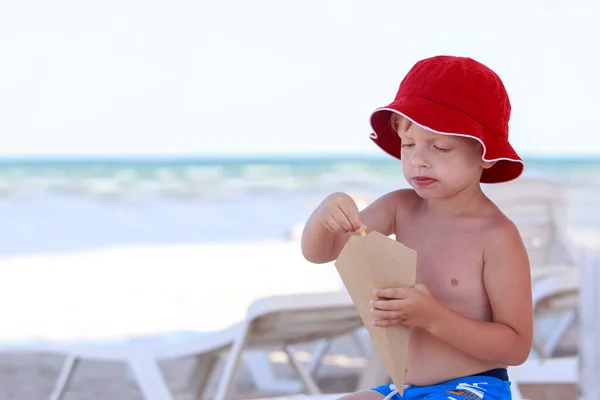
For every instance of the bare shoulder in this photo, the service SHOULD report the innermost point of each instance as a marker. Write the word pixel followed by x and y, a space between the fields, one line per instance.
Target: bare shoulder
pixel 400 200
pixel 501 234
pixel 382 213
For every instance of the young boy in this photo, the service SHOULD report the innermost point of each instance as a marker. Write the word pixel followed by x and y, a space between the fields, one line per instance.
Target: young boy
pixel 470 313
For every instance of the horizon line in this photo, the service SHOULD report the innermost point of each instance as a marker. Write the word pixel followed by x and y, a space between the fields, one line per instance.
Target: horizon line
pixel 249 157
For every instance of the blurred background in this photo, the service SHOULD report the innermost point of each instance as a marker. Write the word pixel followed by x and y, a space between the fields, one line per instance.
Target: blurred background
pixel 152 151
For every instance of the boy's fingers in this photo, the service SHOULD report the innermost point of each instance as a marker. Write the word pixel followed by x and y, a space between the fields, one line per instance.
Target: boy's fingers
pixel 385 315
pixel 333 226
pixel 421 288
pixel 326 224
pixel 387 305
pixel 354 221
pixel 353 215
pixel 342 220
pixel 391 293
pixel 387 322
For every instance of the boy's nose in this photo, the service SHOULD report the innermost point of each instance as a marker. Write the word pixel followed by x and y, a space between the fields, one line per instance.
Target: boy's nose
pixel 418 160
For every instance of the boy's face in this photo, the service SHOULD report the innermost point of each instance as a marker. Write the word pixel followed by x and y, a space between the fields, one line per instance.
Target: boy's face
pixel 438 166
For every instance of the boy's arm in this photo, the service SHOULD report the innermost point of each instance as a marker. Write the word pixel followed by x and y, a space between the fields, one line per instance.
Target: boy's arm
pixel 507 279
pixel 320 245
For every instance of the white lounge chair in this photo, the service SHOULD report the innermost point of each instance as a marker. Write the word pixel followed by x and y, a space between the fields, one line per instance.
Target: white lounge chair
pixel 560 293
pixel 142 356
pixel 287 321
pixel 266 381
pixel 272 321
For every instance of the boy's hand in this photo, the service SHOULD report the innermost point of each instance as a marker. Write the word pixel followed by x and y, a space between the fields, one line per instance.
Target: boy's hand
pixel 409 306
pixel 338 213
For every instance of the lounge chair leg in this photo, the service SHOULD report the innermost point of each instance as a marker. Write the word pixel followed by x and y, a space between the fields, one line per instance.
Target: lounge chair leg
pixel 318 353
pixel 263 374
pixel 363 341
pixel 203 372
pixel 231 365
pixel 309 383
pixel 64 378
pixel 149 378
pixel 558 332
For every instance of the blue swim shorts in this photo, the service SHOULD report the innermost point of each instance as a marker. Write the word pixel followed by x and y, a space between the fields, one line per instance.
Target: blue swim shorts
pixel 475 387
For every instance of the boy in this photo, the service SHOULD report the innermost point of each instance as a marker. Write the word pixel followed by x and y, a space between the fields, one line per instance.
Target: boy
pixel 470 313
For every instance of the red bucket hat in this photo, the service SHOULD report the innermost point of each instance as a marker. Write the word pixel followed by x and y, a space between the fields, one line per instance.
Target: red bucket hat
pixel 454 96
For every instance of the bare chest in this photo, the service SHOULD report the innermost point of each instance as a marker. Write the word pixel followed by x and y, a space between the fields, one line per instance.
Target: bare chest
pixel 450 264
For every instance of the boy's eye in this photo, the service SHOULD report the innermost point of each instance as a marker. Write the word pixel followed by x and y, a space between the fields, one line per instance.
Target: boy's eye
pixel 407 145
pixel 442 149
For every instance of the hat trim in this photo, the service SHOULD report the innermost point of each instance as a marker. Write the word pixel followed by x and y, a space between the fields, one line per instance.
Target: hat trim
pixel 374 135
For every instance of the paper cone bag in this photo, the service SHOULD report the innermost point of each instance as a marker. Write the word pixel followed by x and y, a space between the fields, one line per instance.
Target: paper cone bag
pixel 375 261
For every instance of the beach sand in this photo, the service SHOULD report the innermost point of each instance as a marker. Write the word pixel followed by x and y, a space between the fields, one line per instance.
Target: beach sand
pixel 116 292
pixel 31 377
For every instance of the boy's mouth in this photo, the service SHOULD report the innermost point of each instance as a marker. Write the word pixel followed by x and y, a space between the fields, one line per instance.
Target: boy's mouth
pixel 424 181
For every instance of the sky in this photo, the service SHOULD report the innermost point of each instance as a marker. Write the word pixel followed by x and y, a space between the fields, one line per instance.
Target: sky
pixel 271 77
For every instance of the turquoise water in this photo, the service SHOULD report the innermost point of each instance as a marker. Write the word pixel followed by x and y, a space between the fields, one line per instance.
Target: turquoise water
pixel 204 176
pixel 73 204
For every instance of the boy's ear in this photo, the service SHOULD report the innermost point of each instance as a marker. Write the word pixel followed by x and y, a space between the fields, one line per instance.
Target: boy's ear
pixel 487 164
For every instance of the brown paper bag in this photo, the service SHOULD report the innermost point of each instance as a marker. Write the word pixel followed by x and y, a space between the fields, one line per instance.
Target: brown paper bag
pixel 376 261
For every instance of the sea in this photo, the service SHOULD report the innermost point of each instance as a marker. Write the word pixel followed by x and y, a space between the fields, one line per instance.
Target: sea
pixel 72 204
